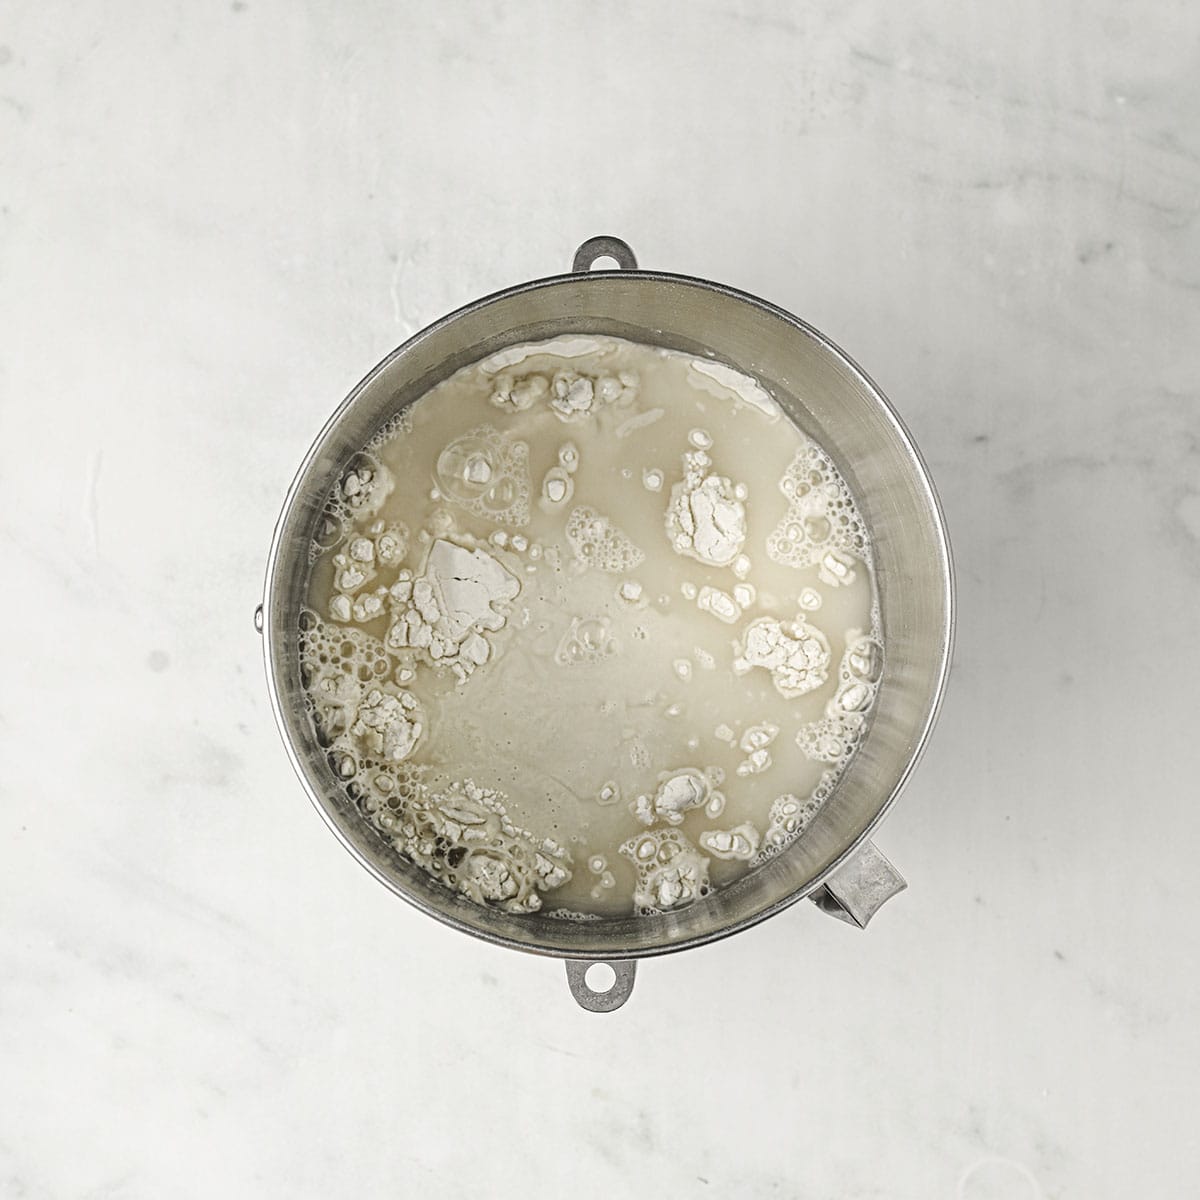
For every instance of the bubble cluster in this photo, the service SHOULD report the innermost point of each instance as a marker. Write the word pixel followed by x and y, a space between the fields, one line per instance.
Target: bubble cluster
pixel 597 542
pixel 487 475
pixel 821 517
pixel 671 872
pixel 360 493
pixel 397 424
pixel 460 835
pixel 570 914
pixel 587 640
pixel 329 651
pixel 382 790
pixel 463 838
pixel 834 738
pixel 790 817
pixel 359 715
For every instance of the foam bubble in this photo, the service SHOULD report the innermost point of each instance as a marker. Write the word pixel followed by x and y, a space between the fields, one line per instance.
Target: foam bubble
pixel 327 650
pixel 570 914
pixel 487 475
pixel 587 640
pixel 596 542
pixel 832 739
pixel 822 518
pixel 671 873
pixel 790 817
pixel 396 425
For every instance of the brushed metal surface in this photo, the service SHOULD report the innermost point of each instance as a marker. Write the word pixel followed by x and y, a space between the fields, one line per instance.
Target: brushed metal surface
pixel 624 973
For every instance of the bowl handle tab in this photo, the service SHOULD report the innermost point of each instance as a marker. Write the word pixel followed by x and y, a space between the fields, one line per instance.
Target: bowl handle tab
pixel 858 888
pixel 603 247
pixel 600 1002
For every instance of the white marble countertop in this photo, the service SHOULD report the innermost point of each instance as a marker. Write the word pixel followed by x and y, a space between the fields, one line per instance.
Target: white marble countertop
pixel 214 218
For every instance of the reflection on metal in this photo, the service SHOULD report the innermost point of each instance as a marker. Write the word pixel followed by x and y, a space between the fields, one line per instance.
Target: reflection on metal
pixel 858 888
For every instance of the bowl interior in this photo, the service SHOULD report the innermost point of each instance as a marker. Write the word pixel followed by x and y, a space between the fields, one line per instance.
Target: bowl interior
pixel 830 399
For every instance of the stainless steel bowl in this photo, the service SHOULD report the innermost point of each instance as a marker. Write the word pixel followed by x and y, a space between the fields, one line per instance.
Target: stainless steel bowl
pixel 831 398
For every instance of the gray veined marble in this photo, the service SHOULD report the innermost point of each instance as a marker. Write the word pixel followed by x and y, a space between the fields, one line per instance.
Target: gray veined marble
pixel 214 218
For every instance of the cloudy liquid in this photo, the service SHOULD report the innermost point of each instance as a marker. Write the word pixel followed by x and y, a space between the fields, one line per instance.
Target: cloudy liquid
pixel 590 629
